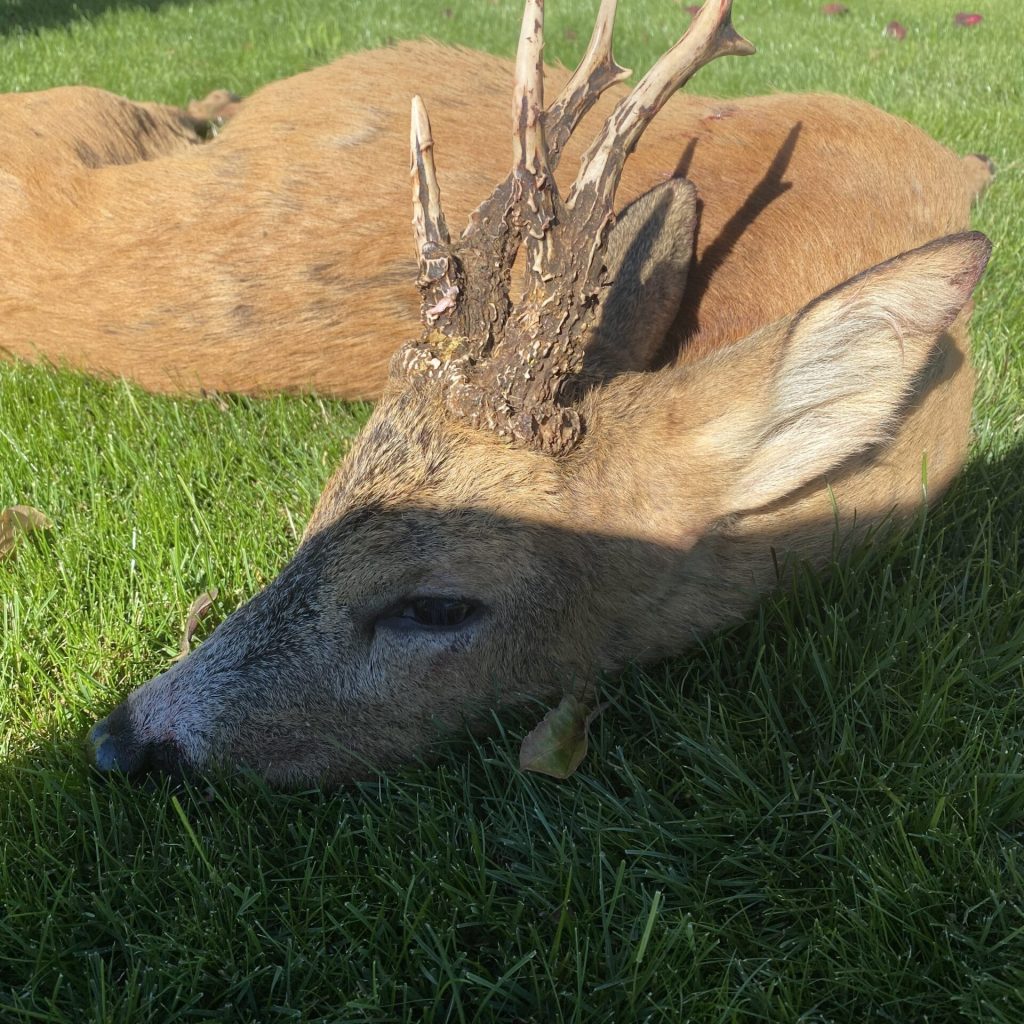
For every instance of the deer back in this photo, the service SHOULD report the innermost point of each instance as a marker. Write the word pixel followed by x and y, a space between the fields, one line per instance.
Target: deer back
pixel 158 270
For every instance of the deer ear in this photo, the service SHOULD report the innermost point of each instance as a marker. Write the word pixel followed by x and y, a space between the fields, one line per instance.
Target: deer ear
pixel 648 259
pixel 848 363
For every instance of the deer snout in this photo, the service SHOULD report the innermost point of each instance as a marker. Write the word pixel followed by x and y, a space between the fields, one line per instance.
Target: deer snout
pixel 117 748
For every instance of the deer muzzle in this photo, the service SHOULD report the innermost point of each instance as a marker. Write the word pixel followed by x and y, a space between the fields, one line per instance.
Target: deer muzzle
pixel 117 748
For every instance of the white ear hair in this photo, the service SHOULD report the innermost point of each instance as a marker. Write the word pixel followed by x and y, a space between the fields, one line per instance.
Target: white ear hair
pixel 850 360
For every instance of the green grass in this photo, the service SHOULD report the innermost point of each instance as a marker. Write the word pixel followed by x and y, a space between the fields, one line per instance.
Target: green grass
pixel 816 816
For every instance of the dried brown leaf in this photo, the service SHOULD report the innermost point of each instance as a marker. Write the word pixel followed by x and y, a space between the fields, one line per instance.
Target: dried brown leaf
pixel 19 519
pixel 197 612
pixel 558 744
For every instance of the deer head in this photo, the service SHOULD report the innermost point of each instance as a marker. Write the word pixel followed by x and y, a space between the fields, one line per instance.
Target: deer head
pixel 531 505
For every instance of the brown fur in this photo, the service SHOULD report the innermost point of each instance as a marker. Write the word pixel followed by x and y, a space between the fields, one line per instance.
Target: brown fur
pixel 705 465
pixel 670 520
pixel 130 251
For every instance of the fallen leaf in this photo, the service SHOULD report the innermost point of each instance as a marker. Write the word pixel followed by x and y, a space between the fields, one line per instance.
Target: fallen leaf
pixel 557 746
pixel 894 30
pixel 833 10
pixel 19 519
pixel 196 613
pixel 965 20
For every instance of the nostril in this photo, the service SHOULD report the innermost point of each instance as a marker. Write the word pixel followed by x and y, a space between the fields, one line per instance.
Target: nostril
pixel 104 748
pixel 116 748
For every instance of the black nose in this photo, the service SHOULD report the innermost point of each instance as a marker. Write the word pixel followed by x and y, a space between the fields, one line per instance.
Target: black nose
pixel 116 748
pixel 104 748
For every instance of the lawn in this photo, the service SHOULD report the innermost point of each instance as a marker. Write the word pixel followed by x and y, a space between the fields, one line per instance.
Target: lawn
pixel 816 816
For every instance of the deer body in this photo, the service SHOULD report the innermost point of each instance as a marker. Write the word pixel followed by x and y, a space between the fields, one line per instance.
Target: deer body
pixel 551 485
pixel 131 251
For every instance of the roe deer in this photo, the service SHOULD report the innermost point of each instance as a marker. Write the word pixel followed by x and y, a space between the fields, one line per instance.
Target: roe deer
pixel 530 504
pixel 131 251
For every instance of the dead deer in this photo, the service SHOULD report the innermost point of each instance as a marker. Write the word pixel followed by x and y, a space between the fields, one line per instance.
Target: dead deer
pixel 130 250
pixel 531 504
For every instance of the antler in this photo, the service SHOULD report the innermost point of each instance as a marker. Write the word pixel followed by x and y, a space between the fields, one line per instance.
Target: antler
pixel 428 223
pixel 503 370
pixel 465 287
pixel 710 35
pixel 596 72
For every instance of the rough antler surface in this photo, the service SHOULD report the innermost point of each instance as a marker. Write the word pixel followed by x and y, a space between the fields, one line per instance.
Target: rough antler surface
pixel 597 71
pixel 504 368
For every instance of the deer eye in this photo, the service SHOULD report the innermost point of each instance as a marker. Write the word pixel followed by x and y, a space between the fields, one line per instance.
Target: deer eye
pixel 430 613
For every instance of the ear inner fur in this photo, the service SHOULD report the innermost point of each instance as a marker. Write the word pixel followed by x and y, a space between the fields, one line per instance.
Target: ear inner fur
pixel 849 360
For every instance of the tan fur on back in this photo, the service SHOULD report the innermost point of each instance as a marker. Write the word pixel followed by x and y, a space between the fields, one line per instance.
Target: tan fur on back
pixel 278 257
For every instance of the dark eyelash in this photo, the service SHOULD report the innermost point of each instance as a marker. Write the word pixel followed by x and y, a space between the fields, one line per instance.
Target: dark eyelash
pixel 430 613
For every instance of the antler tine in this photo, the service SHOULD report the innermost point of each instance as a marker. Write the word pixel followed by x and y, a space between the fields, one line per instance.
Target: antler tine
pixel 710 35
pixel 537 204
pixel 529 149
pixel 596 72
pixel 428 217
pixel 433 243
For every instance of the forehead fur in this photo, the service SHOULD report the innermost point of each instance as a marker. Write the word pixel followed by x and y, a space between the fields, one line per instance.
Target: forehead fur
pixel 414 454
